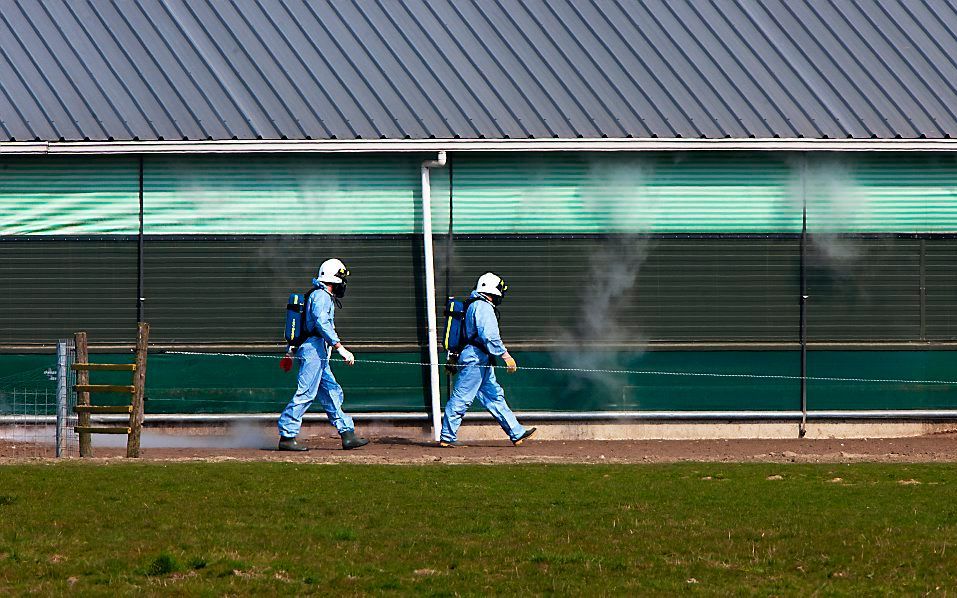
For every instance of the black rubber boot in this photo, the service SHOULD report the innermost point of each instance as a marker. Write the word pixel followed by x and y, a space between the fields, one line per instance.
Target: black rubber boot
pixel 451 444
pixel 290 444
pixel 528 434
pixel 351 441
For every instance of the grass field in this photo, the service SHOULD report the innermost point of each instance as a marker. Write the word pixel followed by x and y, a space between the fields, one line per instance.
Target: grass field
pixel 285 528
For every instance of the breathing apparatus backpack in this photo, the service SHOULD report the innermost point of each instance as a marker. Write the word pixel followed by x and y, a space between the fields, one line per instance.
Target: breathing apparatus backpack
pixel 295 333
pixel 455 338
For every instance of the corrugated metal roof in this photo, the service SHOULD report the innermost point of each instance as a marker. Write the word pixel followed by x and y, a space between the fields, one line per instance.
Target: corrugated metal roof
pixel 496 69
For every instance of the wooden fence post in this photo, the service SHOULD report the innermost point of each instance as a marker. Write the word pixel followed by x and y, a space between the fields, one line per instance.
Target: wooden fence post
pixel 83 398
pixel 139 384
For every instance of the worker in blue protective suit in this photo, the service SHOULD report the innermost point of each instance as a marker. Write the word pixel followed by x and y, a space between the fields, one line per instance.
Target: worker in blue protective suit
pixel 476 373
pixel 315 375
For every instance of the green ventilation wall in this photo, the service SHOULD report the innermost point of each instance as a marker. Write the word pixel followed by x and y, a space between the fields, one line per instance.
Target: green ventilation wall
pixel 601 193
pixel 705 192
pixel 210 195
pixel 715 260
pixel 222 289
pixel 660 289
pixel 49 289
pixel 282 195
pixel 222 384
pixel 217 227
pixel 68 195
pixel 494 193
pixel 899 193
pixel 235 290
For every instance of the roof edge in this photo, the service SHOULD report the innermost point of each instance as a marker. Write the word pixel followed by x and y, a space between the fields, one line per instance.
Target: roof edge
pixel 475 145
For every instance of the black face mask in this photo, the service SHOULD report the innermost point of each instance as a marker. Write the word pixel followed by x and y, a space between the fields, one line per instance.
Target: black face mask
pixel 496 299
pixel 339 290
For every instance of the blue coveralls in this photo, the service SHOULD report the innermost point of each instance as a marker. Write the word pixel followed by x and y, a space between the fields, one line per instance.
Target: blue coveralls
pixel 315 376
pixel 472 379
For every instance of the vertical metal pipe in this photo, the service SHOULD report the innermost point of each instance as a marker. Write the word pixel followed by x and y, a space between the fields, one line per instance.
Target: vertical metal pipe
pixel 802 430
pixel 430 292
pixel 140 298
pixel 449 248
pixel 448 239
pixel 61 385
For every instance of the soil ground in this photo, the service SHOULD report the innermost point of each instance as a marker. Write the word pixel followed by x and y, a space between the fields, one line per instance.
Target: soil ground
pixel 936 448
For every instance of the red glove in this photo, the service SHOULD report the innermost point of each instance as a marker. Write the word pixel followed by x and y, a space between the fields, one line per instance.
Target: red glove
pixel 286 363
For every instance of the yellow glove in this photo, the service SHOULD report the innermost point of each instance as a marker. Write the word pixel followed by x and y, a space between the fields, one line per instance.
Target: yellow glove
pixel 510 366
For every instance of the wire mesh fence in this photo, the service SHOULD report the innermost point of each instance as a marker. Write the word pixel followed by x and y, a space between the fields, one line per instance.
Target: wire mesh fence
pixel 37 418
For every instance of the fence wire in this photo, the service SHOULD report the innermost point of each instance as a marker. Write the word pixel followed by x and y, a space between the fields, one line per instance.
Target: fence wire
pixel 28 412
pixel 690 374
pixel 29 422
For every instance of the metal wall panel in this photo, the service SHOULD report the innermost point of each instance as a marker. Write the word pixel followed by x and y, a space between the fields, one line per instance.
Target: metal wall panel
pixel 68 195
pixel 687 286
pixel 304 194
pixel 705 192
pixel 222 384
pixel 623 291
pixel 899 193
pixel 735 289
pixel 905 366
pixel 235 289
pixel 863 288
pixel 50 289
pixel 941 288
pixel 617 291
pixel 639 193
pixel 686 289
pixel 493 193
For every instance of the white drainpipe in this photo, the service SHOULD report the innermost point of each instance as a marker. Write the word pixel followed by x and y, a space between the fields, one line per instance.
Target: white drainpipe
pixel 430 291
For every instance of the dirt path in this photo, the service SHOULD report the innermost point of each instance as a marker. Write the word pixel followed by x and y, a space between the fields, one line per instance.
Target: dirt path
pixel 923 449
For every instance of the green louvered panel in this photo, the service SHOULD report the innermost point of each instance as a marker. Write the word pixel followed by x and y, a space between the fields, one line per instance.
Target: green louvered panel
pixel 726 289
pixel 941 284
pixel 705 192
pixel 298 194
pixel 600 193
pixel 907 193
pixel 624 291
pixel 68 195
pixel 863 288
pixel 221 289
pixel 50 289
pixel 441 201
pixel 572 193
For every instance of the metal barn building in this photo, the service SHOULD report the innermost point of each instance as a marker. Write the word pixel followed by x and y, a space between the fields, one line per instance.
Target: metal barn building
pixel 660 183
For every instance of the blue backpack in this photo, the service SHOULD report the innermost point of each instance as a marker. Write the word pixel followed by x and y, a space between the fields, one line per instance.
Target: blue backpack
pixel 295 333
pixel 455 337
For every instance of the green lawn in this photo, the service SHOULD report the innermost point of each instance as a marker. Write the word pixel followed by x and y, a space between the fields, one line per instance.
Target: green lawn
pixel 284 528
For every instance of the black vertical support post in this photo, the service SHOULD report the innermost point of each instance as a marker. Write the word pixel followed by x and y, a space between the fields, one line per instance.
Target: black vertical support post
pixel 802 430
pixel 923 289
pixel 140 298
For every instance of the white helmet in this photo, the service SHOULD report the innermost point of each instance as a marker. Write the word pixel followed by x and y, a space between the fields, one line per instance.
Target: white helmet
pixel 492 284
pixel 333 271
